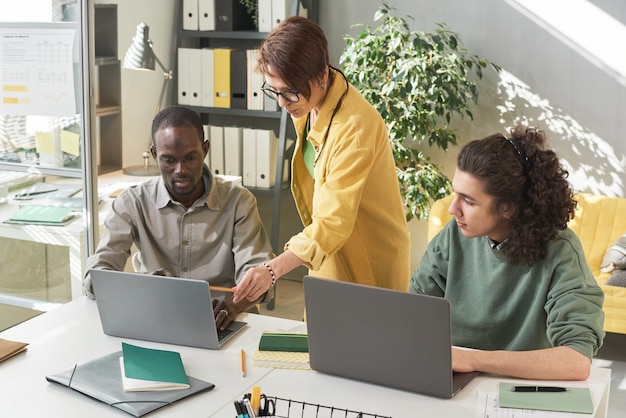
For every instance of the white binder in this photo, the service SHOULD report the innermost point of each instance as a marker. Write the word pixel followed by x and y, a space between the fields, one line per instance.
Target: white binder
pixel 216 149
pixel 269 104
pixel 233 150
pixel 264 9
pixel 207 70
pixel 195 76
pixel 249 157
pixel 206 14
pixel 184 79
pixel 254 95
pixel 281 9
pixel 267 149
pixel 190 14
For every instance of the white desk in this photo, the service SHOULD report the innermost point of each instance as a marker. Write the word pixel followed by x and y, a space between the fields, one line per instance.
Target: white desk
pixel 73 334
pixel 71 235
pixel 318 388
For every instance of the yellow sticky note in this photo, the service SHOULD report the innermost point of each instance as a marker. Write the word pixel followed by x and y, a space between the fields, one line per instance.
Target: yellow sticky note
pixel 70 142
pixel 44 142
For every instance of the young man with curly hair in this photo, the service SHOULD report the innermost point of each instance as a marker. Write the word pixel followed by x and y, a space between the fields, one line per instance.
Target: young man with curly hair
pixel 521 292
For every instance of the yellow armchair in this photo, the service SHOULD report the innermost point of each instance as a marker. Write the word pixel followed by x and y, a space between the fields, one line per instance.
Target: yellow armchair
pixel 599 221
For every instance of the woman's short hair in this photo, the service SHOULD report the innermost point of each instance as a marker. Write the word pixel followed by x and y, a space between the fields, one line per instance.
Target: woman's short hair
pixel 296 51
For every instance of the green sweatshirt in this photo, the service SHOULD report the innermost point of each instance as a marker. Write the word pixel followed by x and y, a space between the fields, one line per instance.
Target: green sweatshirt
pixel 500 306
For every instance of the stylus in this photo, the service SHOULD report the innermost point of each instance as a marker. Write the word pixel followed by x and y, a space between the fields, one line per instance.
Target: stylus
pixel 538 389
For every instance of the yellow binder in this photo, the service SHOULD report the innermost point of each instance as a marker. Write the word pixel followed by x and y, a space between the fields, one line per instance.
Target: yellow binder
pixel 221 77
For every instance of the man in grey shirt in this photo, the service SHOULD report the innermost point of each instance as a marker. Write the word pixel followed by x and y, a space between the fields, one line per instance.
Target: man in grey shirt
pixel 185 223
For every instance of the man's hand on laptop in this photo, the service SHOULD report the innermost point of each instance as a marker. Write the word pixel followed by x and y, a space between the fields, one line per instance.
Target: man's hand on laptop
pixel 225 311
pixel 162 272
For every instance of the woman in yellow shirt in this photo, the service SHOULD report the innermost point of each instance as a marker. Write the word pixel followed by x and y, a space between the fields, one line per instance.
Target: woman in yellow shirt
pixel 344 179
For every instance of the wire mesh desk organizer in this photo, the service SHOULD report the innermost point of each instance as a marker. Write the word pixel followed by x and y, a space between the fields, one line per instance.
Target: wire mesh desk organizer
pixel 274 406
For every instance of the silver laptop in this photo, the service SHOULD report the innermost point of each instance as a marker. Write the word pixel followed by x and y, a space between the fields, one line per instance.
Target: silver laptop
pixel 391 338
pixel 156 308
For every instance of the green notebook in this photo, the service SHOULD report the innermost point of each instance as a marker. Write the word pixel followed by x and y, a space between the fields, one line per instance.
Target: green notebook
pixel 284 341
pixel 576 400
pixel 42 215
pixel 151 369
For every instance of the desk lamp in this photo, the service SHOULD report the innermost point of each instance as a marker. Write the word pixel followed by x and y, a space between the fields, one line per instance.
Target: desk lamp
pixel 140 56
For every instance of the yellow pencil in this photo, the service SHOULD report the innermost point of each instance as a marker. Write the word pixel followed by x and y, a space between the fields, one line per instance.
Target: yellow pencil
pixel 222 289
pixel 243 363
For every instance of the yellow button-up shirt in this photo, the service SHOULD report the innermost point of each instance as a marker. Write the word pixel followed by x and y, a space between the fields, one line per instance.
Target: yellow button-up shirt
pixel 355 227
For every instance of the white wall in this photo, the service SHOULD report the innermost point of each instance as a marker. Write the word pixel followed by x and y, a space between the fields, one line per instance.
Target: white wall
pixel 141 89
pixel 564 62
pixel 572 83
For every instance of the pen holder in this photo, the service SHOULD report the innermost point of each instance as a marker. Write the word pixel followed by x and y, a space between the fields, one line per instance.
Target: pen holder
pixel 273 406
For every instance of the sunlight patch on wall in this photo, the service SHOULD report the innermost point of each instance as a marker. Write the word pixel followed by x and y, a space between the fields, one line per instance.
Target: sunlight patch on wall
pixel 592 162
pixel 586 28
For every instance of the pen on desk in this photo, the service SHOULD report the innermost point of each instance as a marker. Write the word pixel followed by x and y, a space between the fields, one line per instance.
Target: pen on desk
pixel 538 389
pixel 27 195
pixel 243 363
pixel 222 289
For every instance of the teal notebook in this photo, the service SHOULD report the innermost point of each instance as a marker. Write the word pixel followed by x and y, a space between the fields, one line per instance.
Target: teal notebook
pixel 576 400
pixel 151 369
pixel 42 215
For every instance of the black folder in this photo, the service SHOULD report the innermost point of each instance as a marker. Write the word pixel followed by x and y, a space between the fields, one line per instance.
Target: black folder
pixel 238 80
pixel 101 379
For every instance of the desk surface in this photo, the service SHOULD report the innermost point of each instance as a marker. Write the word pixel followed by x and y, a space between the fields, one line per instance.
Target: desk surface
pixel 72 334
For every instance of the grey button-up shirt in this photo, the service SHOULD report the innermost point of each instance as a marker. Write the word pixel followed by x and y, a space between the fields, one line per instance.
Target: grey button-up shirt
pixel 217 239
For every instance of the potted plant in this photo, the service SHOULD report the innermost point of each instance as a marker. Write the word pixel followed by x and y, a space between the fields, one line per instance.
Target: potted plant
pixel 251 8
pixel 418 81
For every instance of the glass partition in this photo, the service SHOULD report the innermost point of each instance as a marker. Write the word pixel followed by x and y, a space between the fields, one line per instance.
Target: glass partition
pixel 45 150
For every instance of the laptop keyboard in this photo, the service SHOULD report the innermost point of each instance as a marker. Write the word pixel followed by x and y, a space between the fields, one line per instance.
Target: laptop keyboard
pixel 221 334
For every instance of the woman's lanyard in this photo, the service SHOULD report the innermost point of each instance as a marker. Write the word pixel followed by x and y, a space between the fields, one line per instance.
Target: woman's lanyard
pixel 308 151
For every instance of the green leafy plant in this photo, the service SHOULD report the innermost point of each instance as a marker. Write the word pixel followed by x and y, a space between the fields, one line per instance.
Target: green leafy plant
pixel 417 81
pixel 251 9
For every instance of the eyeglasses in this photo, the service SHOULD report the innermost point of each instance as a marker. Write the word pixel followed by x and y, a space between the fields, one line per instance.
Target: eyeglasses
pixel 290 96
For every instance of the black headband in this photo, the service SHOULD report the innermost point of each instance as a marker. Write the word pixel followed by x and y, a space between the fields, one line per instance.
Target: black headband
pixel 521 153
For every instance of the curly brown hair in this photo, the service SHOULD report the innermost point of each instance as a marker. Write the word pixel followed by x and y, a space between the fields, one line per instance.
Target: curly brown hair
pixel 520 173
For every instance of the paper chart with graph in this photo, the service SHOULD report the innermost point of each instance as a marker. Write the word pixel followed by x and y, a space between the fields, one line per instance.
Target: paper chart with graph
pixel 46 85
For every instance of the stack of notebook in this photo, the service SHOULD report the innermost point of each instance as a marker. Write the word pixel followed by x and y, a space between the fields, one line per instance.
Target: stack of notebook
pixel 283 350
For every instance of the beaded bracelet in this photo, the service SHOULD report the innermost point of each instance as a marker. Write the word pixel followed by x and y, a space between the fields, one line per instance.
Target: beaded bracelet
pixel 267 266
